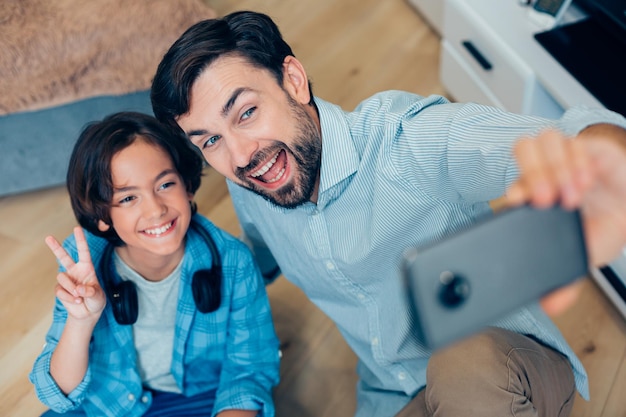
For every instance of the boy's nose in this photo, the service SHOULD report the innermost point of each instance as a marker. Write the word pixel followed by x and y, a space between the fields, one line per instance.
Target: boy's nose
pixel 155 208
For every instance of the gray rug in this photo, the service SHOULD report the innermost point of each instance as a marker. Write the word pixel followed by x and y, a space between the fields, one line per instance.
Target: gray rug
pixel 35 147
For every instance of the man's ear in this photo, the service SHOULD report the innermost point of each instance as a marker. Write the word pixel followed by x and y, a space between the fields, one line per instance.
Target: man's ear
pixel 295 80
pixel 102 226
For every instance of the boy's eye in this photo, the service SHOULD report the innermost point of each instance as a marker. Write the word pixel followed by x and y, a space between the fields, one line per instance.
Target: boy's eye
pixel 126 199
pixel 167 184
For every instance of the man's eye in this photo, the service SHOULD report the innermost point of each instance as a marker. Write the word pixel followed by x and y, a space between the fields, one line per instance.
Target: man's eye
pixel 248 113
pixel 211 141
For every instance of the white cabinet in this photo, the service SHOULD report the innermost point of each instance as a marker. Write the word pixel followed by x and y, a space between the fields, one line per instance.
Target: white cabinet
pixel 489 55
pixel 432 11
pixel 477 63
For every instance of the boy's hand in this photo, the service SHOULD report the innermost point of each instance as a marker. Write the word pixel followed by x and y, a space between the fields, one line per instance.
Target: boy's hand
pixel 78 287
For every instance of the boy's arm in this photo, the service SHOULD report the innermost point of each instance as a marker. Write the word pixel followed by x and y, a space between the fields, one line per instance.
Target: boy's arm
pixel 70 359
pixel 46 387
pixel 80 293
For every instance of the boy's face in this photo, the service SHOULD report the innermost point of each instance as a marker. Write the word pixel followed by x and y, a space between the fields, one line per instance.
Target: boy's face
pixel 257 134
pixel 151 208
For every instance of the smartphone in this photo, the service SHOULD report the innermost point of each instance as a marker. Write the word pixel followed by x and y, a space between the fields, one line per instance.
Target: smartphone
pixel 469 280
pixel 548 13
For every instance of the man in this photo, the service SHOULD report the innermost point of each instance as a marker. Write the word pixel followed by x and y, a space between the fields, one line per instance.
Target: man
pixel 333 198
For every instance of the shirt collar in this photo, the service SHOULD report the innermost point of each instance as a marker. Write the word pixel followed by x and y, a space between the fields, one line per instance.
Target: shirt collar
pixel 340 158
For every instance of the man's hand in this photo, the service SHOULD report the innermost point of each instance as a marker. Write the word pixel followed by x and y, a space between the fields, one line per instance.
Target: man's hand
pixel 587 172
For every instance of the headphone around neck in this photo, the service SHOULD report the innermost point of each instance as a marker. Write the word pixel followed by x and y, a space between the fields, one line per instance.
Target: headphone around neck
pixel 206 284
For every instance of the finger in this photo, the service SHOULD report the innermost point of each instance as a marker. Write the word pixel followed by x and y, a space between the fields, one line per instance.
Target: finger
pixel 86 291
pixel 66 297
pixel 560 300
pixel 581 162
pixel 516 195
pixel 499 204
pixel 556 153
pixel 67 283
pixel 534 179
pixel 81 245
pixel 62 256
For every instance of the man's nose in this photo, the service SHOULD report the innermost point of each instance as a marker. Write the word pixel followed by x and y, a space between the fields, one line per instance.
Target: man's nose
pixel 242 150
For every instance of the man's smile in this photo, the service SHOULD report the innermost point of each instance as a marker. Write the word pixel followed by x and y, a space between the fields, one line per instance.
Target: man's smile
pixel 273 170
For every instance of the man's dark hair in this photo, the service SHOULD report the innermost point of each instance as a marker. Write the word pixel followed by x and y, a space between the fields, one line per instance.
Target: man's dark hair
pixel 250 35
pixel 89 180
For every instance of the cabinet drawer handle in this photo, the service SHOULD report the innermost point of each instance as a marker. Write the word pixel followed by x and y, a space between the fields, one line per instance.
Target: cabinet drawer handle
pixel 477 55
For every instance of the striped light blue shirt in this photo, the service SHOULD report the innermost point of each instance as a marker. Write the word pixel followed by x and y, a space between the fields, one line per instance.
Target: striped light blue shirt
pixel 400 170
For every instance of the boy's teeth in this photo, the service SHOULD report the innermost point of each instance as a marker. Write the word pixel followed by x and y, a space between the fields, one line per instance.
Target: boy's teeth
pixel 159 230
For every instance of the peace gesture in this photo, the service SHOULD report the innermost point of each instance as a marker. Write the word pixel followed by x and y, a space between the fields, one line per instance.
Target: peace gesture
pixel 78 287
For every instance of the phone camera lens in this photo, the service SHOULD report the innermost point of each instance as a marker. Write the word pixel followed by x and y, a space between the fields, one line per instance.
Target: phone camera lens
pixel 454 289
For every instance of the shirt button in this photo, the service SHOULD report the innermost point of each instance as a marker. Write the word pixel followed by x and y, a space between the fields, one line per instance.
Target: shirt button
pixel 361 296
pixel 144 399
pixel 401 376
pixel 131 397
pixel 330 266
pixel 375 341
pixel 315 212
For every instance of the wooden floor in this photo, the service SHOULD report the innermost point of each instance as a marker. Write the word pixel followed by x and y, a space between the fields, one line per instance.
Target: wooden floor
pixel 351 49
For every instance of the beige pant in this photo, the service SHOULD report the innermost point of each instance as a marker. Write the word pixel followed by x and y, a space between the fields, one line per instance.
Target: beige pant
pixel 496 373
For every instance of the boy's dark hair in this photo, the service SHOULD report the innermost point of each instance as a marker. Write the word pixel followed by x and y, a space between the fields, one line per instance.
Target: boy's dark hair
pixel 89 181
pixel 253 36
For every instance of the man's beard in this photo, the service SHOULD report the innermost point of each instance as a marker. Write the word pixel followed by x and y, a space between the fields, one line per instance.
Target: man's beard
pixel 307 153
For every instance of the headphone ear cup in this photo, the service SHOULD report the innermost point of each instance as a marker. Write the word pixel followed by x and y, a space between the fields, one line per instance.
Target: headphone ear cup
pixel 206 287
pixel 124 302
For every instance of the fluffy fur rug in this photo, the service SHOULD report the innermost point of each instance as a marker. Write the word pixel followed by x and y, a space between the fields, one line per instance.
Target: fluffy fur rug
pixel 56 52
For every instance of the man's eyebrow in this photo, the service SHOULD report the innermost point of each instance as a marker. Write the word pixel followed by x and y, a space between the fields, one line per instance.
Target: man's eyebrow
pixel 233 98
pixel 225 110
pixel 198 132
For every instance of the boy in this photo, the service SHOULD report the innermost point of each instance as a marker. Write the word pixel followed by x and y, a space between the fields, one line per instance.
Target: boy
pixel 157 310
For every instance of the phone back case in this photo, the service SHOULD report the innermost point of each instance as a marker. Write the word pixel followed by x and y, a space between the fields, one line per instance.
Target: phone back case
pixel 481 274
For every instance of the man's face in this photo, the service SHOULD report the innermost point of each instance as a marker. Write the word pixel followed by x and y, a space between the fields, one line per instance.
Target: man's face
pixel 254 132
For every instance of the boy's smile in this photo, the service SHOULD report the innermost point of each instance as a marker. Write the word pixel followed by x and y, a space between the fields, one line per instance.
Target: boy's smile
pixel 150 210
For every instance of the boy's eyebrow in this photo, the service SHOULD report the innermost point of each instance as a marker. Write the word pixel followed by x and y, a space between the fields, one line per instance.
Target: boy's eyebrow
pixel 158 177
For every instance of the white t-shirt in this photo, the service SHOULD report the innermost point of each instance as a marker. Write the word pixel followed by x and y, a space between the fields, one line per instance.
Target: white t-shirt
pixel 154 330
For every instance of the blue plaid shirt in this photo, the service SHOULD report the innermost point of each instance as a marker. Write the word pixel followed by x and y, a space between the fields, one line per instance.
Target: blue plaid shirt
pixel 233 351
pixel 401 170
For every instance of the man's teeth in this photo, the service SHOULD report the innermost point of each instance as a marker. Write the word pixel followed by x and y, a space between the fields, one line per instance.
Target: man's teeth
pixel 265 167
pixel 277 177
pixel 158 230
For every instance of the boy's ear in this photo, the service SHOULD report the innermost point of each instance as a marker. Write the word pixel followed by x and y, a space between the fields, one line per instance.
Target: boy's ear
pixel 295 80
pixel 102 226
